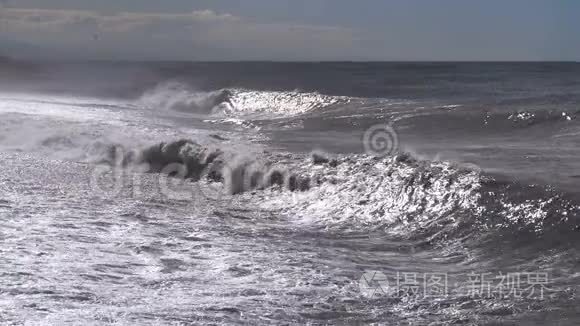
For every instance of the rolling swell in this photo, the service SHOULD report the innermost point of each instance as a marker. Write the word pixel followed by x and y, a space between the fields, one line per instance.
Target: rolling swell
pixel 470 121
pixel 316 111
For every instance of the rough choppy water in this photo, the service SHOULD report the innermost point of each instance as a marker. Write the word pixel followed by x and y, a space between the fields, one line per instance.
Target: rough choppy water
pixel 338 193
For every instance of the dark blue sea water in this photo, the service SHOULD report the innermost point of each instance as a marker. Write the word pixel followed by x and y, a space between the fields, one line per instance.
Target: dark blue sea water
pixel 289 193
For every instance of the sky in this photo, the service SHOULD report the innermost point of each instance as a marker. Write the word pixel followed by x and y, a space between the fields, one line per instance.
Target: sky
pixel 297 30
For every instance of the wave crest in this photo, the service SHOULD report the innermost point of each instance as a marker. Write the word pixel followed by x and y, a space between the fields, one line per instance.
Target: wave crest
pixel 399 194
pixel 236 102
pixel 180 97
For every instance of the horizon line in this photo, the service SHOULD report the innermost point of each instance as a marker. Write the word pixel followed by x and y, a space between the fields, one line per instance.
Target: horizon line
pixel 275 61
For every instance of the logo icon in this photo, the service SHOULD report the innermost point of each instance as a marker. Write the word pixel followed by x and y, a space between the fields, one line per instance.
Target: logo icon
pixel 373 283
pixel 381 140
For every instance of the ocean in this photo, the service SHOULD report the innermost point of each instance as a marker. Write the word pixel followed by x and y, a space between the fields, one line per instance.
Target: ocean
pixel 174 193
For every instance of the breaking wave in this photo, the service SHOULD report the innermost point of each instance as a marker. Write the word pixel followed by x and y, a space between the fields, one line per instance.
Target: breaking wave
pixel 400 194
pixel 438 199
pixel 235 102
pixel 179 97
pixel 189 160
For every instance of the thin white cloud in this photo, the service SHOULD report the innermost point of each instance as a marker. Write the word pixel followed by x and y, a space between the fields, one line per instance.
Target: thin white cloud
pixel 204 28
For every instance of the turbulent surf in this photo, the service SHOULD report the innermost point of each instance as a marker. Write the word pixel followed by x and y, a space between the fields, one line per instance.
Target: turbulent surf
pixel 290 193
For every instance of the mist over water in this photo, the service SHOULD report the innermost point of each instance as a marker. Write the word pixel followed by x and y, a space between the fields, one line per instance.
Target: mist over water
pixel 286 193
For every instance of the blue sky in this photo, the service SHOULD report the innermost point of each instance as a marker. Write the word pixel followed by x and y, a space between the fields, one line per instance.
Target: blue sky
pixel 292 30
